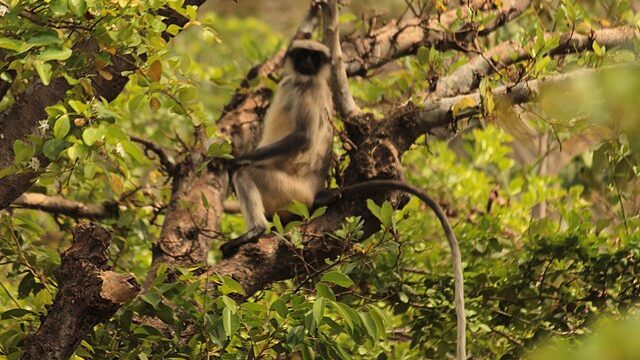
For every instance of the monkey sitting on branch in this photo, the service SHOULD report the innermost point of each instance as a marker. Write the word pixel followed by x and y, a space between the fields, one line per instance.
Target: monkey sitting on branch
pixel 293 156
pixel 292 159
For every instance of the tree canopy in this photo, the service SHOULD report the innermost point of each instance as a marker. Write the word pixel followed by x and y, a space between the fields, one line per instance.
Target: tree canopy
pixel 519 117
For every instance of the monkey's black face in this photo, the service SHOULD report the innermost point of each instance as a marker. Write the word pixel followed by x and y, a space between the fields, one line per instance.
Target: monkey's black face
pixel 307 62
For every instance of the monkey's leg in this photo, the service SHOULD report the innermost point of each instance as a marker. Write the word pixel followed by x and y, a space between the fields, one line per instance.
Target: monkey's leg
pixel 262 192
pixel 251 207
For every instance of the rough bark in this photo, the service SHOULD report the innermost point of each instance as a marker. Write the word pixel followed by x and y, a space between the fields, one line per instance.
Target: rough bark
pixel 89 293
pixel 193 215
pixel 19 122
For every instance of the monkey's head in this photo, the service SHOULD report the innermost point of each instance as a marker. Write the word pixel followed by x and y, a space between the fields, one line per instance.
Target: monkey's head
pixel 308 57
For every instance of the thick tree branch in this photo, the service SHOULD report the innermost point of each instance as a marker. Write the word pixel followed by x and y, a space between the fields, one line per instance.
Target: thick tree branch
pixel 89 292
pixel 467 77
pixel 60 205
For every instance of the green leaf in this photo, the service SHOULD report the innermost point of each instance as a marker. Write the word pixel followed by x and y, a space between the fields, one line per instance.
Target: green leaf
pixel 229 286
pixel 386 214
pixel 380 321
pixel 22 151
pixel 350 317
pixel 374 208
pixel 337 278
pixel 27 284
pixel 77 7
pixel 13 44
pixel 90 170
pixel 369 325
pixel 151 298
pixel 230 322
pixel 91 135
pixel 53 147
pixel 55 53
pixel 598 49
pixel 318 309
pixel 298 208
pixel 423 55
pixel 229 303
pixel 59 7
pixel 134 151
pixel 15 313
pixel 44 38
pixel 78 106
pixel 221 149
pixel 61 127
pixel 318 212
pixel 280 307
pixel 44 71
pixel 324 291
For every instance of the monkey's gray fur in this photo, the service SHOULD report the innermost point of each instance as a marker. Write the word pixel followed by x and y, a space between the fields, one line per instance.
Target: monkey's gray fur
pixel 292 158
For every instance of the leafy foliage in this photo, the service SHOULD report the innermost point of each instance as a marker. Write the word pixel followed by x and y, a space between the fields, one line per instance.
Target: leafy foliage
pixel 546 254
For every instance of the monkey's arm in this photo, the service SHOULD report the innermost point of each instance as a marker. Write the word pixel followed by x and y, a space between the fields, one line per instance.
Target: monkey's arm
pixel 297 140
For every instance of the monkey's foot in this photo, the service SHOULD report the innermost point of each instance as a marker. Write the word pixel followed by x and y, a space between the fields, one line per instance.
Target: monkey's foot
pixel 230 247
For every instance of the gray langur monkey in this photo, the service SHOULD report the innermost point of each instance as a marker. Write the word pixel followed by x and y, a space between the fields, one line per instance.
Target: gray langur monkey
pixel 293 156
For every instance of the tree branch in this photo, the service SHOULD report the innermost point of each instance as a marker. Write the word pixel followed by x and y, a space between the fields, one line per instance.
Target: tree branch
pixel 403 37
pixel 343 101
pixel 438 113
pixel 468 76
pixel 89 292
pixel 163 157
pixel 60 205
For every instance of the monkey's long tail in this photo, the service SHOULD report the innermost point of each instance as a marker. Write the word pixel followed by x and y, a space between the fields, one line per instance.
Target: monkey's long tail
pixel 367 186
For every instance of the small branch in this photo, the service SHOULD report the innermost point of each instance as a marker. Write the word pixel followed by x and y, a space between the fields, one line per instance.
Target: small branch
pixel 343 101
pixel 60 205
pixel 89 293
pixel 467 77
pixel 164 158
